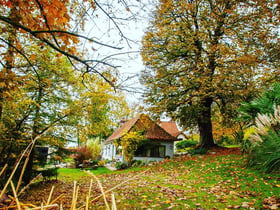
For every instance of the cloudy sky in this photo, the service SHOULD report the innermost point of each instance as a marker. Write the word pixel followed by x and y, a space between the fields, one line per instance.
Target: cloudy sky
pixel 124 29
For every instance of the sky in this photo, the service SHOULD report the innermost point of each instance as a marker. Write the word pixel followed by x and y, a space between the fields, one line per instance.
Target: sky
pixel 125 31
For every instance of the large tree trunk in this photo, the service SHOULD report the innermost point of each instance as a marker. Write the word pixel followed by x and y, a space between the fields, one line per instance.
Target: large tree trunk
pixel 205 125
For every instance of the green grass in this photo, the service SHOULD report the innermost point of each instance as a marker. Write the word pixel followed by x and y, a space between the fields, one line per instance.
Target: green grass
pixel 210 182
pixel 71 174
pixel 232 146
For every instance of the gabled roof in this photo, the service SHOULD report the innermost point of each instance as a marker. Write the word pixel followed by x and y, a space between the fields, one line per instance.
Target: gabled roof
pixel 153 131
pixel 171 128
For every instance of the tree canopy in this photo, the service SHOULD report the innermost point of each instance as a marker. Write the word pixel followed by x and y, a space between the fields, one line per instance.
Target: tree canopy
pixel 203 53
pixel 51 90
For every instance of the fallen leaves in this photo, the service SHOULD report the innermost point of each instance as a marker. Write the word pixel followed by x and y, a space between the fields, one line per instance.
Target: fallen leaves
pixel 272 202
pixel 212 182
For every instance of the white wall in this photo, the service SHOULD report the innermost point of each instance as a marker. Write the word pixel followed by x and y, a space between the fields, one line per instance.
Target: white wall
pixel 109 153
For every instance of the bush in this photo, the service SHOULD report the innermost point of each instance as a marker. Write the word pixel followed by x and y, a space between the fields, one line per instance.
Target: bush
pixel 102 163
pixel 225 141
pixel 138 163
pixel 186 150
pixel 120 165
pixel 94 147
pixel 83 153
pixel 47 173
pixel 198 151
pixel 266 156
pixel 246 147
pixel 265 151
pixel 185 144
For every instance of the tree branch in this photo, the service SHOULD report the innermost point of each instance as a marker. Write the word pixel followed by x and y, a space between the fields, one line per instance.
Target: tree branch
pixel 50 44
pixel 77 35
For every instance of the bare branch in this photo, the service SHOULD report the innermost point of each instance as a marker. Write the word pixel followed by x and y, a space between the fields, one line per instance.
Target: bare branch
pixel 77 35
pixel 21 53
pixel 50 44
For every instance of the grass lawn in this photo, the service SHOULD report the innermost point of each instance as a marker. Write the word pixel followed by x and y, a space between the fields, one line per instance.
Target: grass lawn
pixel 205 182
pixel 70 174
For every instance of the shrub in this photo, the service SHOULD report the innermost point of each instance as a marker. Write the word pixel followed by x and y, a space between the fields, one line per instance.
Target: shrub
pixel 95 148
pixel 120 165
pixel 138 163
pixel 185 144
pixel 83 153
pixel 186 150
pixel 225 140
pixel 47 173
pixel 90 151
pixel 102 163
pixel 265 151
pixel 198 151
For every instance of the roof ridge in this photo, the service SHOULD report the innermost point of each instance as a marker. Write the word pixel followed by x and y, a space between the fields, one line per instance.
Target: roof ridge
pixel 119 131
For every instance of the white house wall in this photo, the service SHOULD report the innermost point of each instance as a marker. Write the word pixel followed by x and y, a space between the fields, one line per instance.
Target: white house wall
pixel 109 153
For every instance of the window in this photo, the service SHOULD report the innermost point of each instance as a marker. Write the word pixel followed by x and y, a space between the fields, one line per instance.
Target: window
pixel 151 151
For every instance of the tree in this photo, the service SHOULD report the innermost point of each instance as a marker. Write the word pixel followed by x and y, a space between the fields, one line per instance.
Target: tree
pixel 41 55
pixel 130 142
pixel 95 107
pixel 41 104
pixel 203 53
pixel 60 25
pixel 54 98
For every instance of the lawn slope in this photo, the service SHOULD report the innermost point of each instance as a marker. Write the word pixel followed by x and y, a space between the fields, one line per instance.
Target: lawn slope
pixel 218 180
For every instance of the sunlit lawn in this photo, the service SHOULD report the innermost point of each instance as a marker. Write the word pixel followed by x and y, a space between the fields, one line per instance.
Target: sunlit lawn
pixel 208 182
pixel 71 174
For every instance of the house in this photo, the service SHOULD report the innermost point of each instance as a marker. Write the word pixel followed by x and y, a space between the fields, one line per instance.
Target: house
pixel 161 143
pixel 172 128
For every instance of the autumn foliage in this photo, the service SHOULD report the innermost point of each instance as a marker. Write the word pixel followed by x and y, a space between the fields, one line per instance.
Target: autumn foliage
pixel 207 55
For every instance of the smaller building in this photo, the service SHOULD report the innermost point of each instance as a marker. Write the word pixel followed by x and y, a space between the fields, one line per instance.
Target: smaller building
pixel 160 146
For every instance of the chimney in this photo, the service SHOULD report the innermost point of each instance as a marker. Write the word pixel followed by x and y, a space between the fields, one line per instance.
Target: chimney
pixel 122 122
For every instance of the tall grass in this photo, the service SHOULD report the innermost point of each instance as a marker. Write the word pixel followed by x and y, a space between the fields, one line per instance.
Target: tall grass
pixel 265 151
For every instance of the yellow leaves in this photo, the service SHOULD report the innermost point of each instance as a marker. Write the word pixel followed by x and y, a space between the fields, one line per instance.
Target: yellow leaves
pixel 247 59
pixel 130 143
pixel 248 132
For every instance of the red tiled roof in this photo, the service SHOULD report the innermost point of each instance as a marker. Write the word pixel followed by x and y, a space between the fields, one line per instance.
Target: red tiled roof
pixel 153 130
pixel 171 128
pixel 120 132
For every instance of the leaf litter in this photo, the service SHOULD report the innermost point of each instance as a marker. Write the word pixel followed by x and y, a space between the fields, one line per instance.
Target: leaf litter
pixel 214 181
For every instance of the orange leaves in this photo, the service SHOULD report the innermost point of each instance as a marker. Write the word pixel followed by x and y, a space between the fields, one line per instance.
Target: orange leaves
pixel 44 16
pixel 33 57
